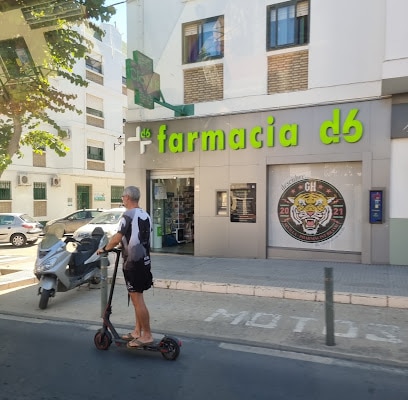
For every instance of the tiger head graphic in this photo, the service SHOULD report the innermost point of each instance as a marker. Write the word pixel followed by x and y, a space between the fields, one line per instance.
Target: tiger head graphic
pixel 311 210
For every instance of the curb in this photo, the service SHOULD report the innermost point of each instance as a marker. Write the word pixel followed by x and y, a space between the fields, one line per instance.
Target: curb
pixel 363 299
pixel 17 283
pixel 281 293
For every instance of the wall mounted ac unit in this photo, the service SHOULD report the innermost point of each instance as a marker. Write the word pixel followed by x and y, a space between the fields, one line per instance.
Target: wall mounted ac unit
pixel 23 180
pixel 55 180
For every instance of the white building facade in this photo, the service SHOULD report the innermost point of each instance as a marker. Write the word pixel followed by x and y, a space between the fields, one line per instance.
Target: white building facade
pixel 296 148
pixel 91 175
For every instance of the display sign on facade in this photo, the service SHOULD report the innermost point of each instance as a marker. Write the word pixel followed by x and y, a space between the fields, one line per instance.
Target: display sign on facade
pixel 376 206
pixel 342 126
pixel 243 202
pixel 311 210
pixel 315 206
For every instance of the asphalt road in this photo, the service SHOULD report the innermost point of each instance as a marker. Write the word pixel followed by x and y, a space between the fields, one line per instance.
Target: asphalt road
pixel 370 334
pixel 44 360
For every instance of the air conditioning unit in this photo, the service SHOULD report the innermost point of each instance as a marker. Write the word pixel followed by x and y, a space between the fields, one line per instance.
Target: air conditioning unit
pixel 23 180
pixel 55 180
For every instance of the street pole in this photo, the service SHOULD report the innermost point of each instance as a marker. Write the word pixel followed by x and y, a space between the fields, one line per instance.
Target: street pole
pixel 104 282
pixel 328 283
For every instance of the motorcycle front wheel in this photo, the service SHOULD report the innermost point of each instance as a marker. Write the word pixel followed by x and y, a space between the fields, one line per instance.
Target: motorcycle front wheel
pixel 45 296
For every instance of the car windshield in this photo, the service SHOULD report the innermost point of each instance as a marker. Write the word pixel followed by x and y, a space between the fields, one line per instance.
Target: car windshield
pixel 108 217
pixel 27 218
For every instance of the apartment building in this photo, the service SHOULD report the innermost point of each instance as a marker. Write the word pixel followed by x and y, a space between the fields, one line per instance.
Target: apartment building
pixel 296 147
pixel 91 175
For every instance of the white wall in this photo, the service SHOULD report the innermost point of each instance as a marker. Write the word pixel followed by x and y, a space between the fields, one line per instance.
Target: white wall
pixel 346 51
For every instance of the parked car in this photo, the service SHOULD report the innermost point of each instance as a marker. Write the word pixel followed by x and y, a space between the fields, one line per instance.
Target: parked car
pixel 19 229
pixel 75 220
pixel 108 220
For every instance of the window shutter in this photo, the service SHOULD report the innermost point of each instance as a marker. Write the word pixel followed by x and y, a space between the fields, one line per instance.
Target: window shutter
pixel 190 30
pixel 302 9
pixel 94 102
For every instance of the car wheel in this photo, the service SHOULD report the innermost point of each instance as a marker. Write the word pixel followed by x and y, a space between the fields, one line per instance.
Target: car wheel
pixel 18 240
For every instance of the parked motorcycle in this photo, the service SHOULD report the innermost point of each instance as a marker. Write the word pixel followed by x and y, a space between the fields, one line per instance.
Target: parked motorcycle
pixel 64 263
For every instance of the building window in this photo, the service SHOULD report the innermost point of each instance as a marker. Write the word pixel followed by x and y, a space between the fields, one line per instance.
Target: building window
pixel 40 190
pixel 203 40
pixel 5 190
pixel 93 65
pixel 288 24
pixel 94 111
pixel 116 194
pixel 95 153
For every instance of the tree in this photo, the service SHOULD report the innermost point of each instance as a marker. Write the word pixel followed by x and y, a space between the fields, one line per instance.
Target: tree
pixel 27 95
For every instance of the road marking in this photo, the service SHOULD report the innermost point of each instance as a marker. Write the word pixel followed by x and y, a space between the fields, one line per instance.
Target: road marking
pixel 311 358
pixel 4 259
pixel 344 328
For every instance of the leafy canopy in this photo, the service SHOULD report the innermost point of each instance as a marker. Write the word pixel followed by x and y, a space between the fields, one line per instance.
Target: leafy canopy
pixel 28 96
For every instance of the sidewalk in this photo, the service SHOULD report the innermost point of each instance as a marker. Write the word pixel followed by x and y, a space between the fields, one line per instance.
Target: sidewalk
pixel 372 285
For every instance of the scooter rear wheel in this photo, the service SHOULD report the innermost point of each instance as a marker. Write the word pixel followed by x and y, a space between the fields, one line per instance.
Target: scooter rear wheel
pixel 102 339
pixel 169 348
pixel 45 295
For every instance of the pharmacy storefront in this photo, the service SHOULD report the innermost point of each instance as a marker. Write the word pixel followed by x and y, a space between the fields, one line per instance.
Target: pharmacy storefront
pixel 307 183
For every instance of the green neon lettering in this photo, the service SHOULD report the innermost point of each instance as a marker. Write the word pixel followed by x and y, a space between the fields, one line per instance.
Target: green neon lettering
pixel 176 143
pixel 237 138
pixel 352 123
pixel 270 132
pixel 334 125
pixel 291 140
pixel 161 138
pixel 210 138
pixel 253 137
pixel 191 138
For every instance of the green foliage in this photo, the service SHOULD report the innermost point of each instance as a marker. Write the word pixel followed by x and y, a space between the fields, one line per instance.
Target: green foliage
pixel 25 105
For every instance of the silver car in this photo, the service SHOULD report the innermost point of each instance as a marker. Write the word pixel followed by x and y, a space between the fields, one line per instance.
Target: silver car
pixel 108 220
pixel 19 229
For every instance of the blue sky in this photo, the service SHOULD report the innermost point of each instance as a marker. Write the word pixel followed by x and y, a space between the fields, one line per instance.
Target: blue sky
pixel 119 19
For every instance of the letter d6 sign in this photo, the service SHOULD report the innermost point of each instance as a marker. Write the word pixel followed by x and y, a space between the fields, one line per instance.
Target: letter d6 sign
pixel 351 131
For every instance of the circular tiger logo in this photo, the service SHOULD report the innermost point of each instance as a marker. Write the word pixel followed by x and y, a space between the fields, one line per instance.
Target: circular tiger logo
pixel 311 210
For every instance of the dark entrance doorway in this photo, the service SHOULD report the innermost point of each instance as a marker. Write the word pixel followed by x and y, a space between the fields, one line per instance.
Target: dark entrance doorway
pixel 83 197
pixel 173 215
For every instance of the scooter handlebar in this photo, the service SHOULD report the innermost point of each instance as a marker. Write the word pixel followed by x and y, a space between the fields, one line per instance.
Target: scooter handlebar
pixel 114 250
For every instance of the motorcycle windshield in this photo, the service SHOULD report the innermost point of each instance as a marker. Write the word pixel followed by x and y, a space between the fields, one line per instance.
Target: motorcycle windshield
pixel 53 235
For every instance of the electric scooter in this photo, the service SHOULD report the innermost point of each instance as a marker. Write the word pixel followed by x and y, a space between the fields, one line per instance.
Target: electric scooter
pixel 64 263
pixel 169 347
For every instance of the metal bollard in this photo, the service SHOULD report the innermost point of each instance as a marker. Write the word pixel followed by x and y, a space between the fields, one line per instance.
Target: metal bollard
pixel 328 284
pixel 104 282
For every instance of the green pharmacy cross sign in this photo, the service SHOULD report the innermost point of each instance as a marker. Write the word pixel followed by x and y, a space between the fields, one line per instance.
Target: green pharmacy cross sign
pixel 146 84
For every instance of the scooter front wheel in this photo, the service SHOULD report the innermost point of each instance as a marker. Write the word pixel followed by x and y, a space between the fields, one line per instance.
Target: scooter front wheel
pixel 45 295
pixel 169 348
pixel 102 339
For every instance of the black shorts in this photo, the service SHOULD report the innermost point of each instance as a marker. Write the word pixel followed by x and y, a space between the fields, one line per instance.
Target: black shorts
pixel 138 276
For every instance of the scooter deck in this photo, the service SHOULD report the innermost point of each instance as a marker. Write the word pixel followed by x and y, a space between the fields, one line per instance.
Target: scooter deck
pixel 154 346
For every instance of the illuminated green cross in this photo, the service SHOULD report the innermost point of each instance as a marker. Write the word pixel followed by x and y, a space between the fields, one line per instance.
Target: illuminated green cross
pixel 146 84
pixel 141 78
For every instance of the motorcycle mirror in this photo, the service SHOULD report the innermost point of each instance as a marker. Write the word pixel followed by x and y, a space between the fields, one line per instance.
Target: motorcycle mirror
pixel 71 246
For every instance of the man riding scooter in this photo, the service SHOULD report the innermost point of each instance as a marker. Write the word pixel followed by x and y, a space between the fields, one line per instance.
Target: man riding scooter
pixel 134 234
